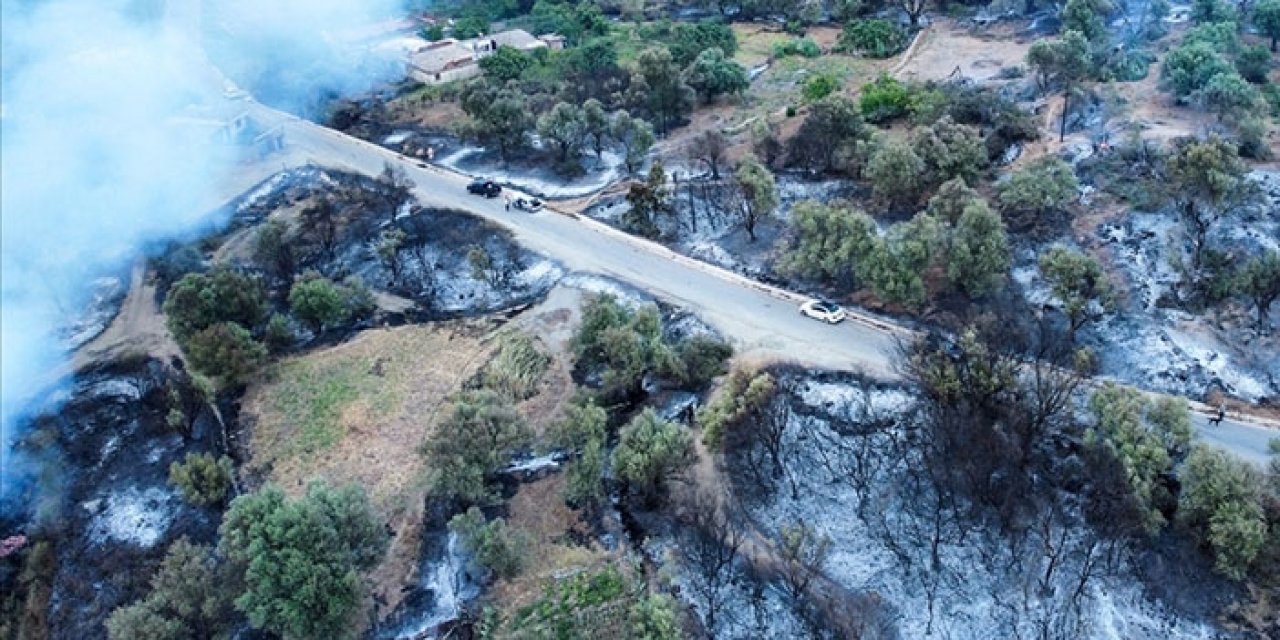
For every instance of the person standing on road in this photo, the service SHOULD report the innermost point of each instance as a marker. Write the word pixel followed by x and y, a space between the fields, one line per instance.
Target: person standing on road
pixel 506 202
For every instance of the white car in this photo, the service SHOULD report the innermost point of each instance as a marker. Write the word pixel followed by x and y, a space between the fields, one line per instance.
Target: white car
pixel 828 312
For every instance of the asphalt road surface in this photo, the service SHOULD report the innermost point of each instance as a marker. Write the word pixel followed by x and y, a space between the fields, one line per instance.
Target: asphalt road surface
pixel 762 322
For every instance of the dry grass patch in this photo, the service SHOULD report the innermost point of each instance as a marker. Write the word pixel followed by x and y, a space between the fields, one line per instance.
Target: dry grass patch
pixel 357 412
pixel 538 508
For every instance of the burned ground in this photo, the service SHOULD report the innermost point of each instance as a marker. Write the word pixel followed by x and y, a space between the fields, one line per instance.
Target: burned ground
pixel 105 503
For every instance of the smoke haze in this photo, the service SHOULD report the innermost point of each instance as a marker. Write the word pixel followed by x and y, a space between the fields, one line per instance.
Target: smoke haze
pixel 105 143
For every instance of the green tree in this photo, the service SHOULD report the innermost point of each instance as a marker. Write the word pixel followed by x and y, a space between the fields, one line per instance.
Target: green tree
pixel 497 547
pixel 759 194
pixel 190 598
pixel 273 250
pixel 829 241
pixel 635 136
pixel 1266 17
pixel 1259 280
pixel 1190 67
pixel 625 345
pixel 1254 64
pixel 657 87
pixel 1045 186
pixel 226 352
pixel 301 558
pixel 596 125
pixel 318 302
pixel 896 172
pixel 583 427
pixel 951 199
pixel 1078 282
pixel 1221 500
pixel 565 128
pixel 950 150
pixel 745 395
pixel 650 453
pixel 1086 18
pixel 479 435
pixel 1212 11
pixel 688 41
pixel 200 300
pixel 506 64
pixel 470 27
pixel 828 136
pixel 713 74
pixel 647 201
pixel 1230 97
pixel 895 268
pixel 978 256
pixel 1064 62
pixel 1146 439
pixel 432 32
pixel 499 116
pixel 202 479
pixel 1207 178
pixel 876 38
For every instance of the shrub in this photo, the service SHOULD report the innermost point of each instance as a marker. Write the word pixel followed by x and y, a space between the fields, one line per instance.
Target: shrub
pixel 480 434
pixel 318 302
pixel 819 86
pixel 517 367
pixel 198 301
pixel 650 453
pixel 278 335
pixel 202 479
pixel 226 352
pixel 884 99
pixel 875 38
pixel 702 359
pixel 744 394
pixel 498 548
pixel 805 47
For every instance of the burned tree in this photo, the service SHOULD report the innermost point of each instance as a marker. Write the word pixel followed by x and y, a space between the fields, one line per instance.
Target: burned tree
pixel 710 543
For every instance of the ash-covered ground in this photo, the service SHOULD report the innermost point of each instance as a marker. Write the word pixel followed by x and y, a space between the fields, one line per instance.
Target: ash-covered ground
pixel 99 489
pixel 432 271
pixel 1154 341
pixel 846 477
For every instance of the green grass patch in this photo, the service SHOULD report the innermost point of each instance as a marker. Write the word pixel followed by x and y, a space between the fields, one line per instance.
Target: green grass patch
pixel 314 394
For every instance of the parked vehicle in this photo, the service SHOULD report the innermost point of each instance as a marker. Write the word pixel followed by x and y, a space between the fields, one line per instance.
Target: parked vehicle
pixel 483 187
pixel 828 312
pixel 527 204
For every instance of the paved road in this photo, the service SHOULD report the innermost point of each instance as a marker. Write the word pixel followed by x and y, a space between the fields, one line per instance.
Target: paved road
pixel 762 322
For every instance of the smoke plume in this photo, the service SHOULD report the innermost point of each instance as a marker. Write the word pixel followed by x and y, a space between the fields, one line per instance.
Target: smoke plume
pixel 102 150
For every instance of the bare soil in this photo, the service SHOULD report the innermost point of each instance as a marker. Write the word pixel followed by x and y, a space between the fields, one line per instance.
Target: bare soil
pixel 138 328
pixel 947 50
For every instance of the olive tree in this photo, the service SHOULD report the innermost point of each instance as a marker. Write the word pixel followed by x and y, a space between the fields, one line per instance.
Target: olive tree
pixel 829 241
pixel 201 478
pixel 1221 499
pixel 978 255
pixel 759 194
pixel 896 172
pixel 300 558
pixel 190 598
pixel 480 434
pixel 652 452
pixel 1079 284
pixel 1207 178
pixel 1045 186
pixel 1266 17
pixel 1259 279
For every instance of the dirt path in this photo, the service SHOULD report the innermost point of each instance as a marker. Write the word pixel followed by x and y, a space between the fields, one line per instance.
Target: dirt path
pixel 138 327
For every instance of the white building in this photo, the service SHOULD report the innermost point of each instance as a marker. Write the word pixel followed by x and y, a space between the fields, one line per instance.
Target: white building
pixel 449 60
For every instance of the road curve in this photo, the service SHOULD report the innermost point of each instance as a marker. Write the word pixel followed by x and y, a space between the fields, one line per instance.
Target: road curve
pixel 762 322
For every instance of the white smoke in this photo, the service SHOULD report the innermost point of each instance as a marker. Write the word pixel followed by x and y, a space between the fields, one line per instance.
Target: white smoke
pixel 105 144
